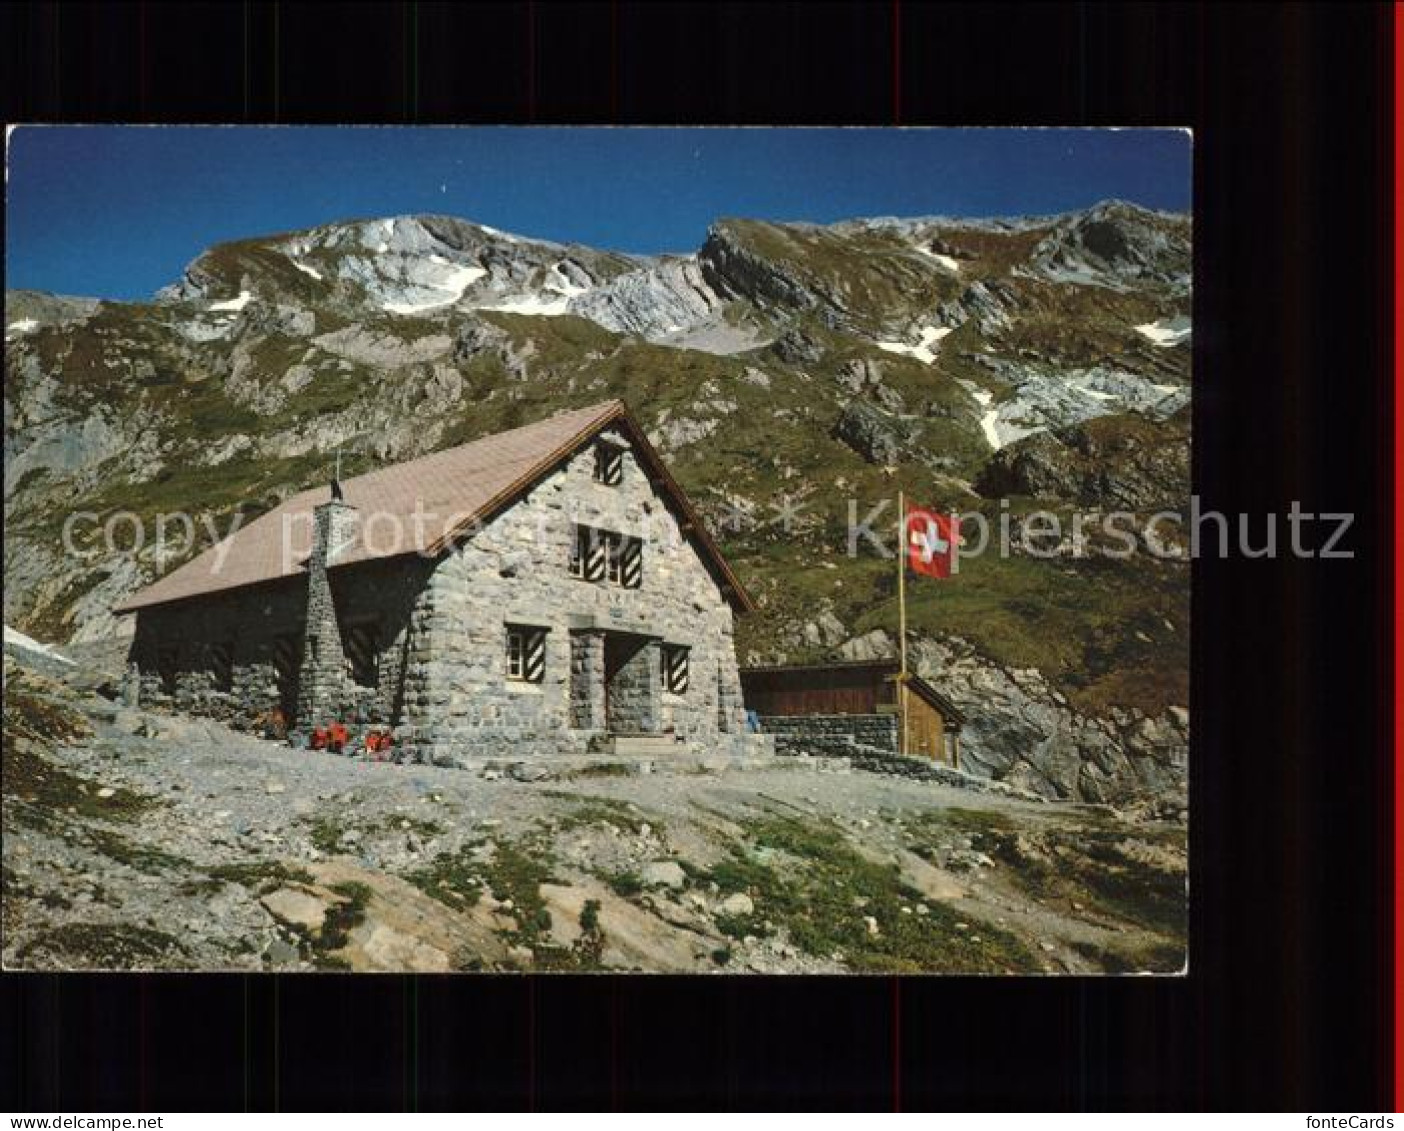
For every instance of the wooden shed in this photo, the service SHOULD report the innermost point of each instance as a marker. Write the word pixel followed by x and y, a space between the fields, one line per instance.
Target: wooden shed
pixel 858 687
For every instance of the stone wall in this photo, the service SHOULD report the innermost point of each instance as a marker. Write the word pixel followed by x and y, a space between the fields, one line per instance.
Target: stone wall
pixel 256 622
pixel 834 735
pixel 587 681
pixel 878 761
pixel 460 706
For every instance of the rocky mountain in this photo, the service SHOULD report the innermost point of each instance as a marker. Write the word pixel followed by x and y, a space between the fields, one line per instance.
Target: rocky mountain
pixel 791 373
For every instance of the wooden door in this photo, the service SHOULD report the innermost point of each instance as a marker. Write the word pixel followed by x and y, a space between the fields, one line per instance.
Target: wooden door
pixel 925 729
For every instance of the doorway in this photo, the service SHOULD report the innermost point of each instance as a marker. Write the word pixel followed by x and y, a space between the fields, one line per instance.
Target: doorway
pixel 632 699
pixel 287 661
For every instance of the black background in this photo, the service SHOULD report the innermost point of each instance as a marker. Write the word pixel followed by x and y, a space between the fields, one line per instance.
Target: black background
pixel 1288 1002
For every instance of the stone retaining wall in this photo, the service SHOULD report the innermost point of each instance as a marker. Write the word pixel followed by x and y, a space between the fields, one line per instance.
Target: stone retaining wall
pixel 881 761
pixel 835 735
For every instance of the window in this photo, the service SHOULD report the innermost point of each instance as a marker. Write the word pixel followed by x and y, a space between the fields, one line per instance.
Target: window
pixel 362 654
pixel 287 659
pixel 603 555
pixel 609 463
pixel 167 667
pixel 222 666
pixel 625 561
pixel 526 653
pixel 673 670
pixel 587 554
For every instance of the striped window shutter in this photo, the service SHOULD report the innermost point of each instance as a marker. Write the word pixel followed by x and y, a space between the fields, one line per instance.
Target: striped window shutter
pixel 526 654
pixel 597 552
pixel 631 563
pixel 676 674
pixel 609 463
pixel 535 657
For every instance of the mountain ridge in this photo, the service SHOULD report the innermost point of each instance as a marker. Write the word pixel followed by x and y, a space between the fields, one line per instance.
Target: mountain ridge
pixel 776 365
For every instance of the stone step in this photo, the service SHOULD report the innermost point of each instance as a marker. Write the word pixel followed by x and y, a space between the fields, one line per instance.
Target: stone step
pixel 644 746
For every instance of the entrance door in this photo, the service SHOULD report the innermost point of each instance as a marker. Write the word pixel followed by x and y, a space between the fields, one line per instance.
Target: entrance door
pixel 632 699
pixel 924 730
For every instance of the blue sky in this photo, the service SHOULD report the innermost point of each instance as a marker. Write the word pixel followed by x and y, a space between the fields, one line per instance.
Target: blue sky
pixel 117 212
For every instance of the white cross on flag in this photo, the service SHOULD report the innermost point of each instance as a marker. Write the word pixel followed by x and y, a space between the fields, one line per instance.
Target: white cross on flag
pixel 931 542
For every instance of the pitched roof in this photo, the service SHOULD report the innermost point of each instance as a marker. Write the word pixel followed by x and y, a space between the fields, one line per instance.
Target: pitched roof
pixel 453 490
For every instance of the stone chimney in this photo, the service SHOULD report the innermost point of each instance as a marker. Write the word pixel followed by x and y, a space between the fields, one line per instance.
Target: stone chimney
pixel 321 692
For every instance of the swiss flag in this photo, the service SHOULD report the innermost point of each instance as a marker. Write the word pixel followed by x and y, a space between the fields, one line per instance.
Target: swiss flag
pixel 931 542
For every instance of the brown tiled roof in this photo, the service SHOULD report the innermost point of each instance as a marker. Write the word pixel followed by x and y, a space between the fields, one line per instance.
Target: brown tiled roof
pixel 452 489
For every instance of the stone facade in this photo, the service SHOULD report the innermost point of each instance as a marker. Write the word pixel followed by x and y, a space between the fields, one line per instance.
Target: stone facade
pixel 602 640
pixel 443 634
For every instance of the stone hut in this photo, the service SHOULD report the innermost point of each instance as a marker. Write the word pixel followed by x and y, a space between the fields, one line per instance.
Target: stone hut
pixel 543 592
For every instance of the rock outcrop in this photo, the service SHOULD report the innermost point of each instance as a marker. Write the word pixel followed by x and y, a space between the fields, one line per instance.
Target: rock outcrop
pixel 870 432
pixel 1022 731
pixel 1128 462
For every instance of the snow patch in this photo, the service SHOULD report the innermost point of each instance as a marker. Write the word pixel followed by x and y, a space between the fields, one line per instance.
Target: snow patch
pixel 561 283
pixel 997 432
pixel 559 290
pixel 506 237
pixel 948 262
pixel 1051 399
pixel 306 270
pixel 23 326
pixel 997 437
pixel 922 351
pixel 533 304
pixel 454 282
pixel 233 304
pixel 982 396
pixel 1166 332
pixel 20 640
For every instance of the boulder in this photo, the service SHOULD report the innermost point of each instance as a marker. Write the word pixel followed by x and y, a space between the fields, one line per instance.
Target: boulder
pixel 297 907
pixel 795 347
pixel 664 874
pixel 871 433
pixel 738 903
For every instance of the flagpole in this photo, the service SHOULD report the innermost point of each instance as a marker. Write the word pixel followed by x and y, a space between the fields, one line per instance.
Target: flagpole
pixel 902 616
